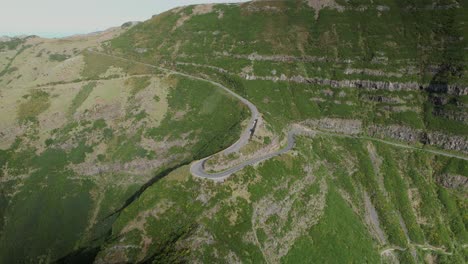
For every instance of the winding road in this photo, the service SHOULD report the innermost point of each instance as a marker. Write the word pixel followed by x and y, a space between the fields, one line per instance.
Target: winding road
pixel 197 168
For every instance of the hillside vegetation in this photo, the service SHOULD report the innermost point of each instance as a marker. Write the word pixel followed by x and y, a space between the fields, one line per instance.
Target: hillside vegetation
pixel 96 138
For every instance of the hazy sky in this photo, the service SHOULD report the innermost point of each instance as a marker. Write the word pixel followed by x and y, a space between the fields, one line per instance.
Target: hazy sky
pixel 50 18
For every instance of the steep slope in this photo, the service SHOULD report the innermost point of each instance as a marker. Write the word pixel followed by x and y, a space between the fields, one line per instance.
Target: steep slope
pixel 95 137
pixel 373 70
pixel 83 133
pixel 331 200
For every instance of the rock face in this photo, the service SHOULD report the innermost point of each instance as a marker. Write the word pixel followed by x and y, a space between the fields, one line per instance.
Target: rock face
pixel 455 89
pixel 452 181
pixel 397 132
pixel 459 116
pixel 345 126
pixel 383 99
pixel 317 5
pixel 457 143
pixel 372 72
pixel 279 58
pixel 407 134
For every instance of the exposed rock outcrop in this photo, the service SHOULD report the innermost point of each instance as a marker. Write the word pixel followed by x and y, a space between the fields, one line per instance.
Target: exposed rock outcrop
pixel 453 181
pixel 218 69
pixel 281 58
pixel 454 89
pixel 317 5
pixel 407 134
pixel 460 116
pixel 383 99
pixel 397 132
pixel 372 72
pixel 344 126
pixel 457 143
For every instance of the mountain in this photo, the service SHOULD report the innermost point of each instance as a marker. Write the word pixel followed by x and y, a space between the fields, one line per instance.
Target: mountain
pixel 352 118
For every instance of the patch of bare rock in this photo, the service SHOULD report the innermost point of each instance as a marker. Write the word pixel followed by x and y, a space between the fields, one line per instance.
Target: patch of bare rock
pixel 407 134
pixel 453 181
pixel 337 125
pixel 317 5
pixel 454 89
pixel 396 132
pixel 197 10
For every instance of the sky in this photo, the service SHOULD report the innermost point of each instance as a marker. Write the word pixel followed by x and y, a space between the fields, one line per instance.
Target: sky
pixel 59 18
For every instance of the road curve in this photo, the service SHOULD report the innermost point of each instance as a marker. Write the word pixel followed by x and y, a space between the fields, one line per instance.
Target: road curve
pixel 197 168
pixel 254 114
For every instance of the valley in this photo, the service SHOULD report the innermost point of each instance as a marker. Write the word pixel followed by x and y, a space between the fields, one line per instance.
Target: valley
pixel 135 145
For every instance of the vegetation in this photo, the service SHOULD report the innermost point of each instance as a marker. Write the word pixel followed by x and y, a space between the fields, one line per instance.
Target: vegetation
pixel 97 64
pixel 339 237
pixel 339 224
pixel 37 102
pixel 58 57
pixel 379 48
pixel 11 44
pixel 204 119
pixel 52 188
pixel 81 97
pixel 112 183
pixel 138 83
pixel 8 69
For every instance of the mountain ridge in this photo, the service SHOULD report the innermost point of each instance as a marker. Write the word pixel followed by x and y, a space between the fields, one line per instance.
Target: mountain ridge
pixel 97 134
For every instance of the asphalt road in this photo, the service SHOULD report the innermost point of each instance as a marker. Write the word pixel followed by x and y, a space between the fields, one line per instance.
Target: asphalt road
pixel 197 168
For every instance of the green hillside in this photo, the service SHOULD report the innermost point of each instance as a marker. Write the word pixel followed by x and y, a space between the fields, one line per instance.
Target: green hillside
pixel 98 133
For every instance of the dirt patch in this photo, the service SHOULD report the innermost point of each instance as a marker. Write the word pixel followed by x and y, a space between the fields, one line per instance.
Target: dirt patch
pixel 317 5
pixel 197 10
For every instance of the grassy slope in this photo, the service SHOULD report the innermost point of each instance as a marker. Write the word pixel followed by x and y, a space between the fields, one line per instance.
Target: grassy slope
pixel 48 209
pixel 339 234
pixel 174 215
pixel 406 38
